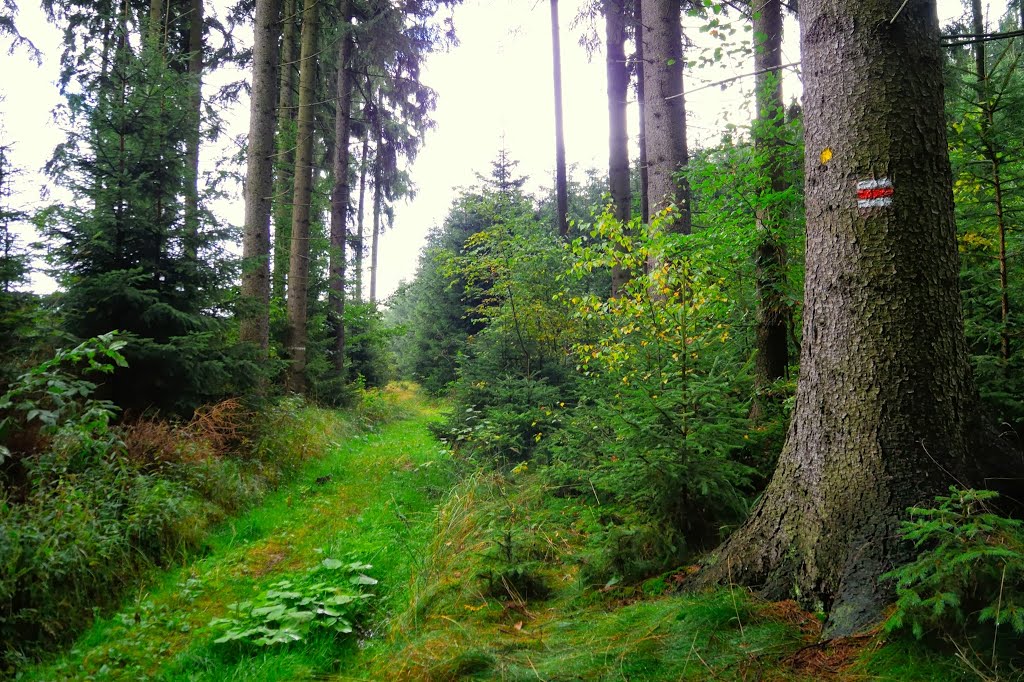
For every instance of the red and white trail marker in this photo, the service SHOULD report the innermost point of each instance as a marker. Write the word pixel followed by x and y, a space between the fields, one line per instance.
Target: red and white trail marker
pixel 874 193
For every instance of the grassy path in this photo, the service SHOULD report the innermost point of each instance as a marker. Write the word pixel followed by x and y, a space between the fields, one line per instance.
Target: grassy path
pixel 364 500
pixel 450 604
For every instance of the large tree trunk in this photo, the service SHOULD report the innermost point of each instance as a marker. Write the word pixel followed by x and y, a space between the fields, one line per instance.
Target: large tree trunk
pixel 340 193
pixel 618 136
pixel 195 70
pixel 254 306
pixel 772 329
pixel 157 26
pixel 285 167
pixel 561 179
pixel 298 272
pixel 645 206
pixel 665 110
pixel 885 405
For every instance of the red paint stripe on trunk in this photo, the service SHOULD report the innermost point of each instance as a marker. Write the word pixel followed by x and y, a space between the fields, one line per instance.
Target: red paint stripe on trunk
pixel 877 193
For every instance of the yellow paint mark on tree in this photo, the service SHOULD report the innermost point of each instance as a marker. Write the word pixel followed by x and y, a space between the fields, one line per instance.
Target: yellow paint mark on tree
pixel 826 155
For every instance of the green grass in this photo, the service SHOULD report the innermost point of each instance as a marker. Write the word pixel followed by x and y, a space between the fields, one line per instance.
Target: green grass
pixel 370 497
pixel 481 577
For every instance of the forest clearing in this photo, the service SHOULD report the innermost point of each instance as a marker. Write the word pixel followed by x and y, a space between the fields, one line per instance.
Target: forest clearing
pixel 744 403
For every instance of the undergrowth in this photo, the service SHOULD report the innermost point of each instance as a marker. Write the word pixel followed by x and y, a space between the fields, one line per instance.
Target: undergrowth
pixel 88 506
pixel 506 591
pixel 482 574
pixel 966 586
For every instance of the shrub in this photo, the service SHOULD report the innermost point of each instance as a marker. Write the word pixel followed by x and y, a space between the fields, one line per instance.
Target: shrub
pixel 97 504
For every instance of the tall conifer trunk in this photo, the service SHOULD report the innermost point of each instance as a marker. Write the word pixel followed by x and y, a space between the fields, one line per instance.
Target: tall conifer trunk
pixel 361 210
pixel 772 341
pixel 561 177
pixel 298 272
pixel 284 182
pixel 885 414
pixel 645 207
pixel 192 140
pixel 254 306
pixel 665 111
pixel 378 199
pixel 340 193
pixel 618 136
pixel 156 22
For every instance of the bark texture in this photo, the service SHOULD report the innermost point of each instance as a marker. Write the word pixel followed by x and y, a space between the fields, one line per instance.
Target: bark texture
pixel 298 271
pixel 772 330
pixel 195 70
pixel 645 206
pixel 886 402
pixel 618 137
pixel 561 178
pixel 284 181
pixel 254 306
pixel 665 109
pixel 341 190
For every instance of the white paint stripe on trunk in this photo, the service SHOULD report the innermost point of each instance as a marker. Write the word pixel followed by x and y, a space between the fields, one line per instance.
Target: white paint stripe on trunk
pixel 874 203
pixel 880 183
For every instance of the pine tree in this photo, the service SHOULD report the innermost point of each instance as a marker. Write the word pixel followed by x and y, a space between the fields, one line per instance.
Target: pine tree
pixel 340 193
pixel 284 167
pixel 123 241
pixel 254 306
pixel 616 19
pixel 772 330
pixel 886 412
pixel 665 110
pixel 561 179
pixel 299 254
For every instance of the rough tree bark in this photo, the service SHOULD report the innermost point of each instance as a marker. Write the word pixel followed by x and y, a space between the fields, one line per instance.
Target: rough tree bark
pixel 886 407
pixel 665 111
pixel 772 329
pixel 618 138
pixel 254 306
pixel 195 70
pixel 341 190
pixel 285 166
pixel 645 207
pixel 561 180
pixel 298 271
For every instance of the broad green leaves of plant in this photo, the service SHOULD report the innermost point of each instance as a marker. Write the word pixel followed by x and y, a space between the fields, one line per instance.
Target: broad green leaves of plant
pixel 55 394
pixel 327 598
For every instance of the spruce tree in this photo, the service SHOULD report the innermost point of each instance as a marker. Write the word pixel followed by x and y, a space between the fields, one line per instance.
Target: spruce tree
pixel 886 413
pixel 123 243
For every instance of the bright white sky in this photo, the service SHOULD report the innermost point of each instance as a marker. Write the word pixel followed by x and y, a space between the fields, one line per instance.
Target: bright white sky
pixel 496 83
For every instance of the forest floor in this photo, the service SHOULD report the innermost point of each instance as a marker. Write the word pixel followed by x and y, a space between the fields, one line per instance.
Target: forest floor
pixel 480 577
